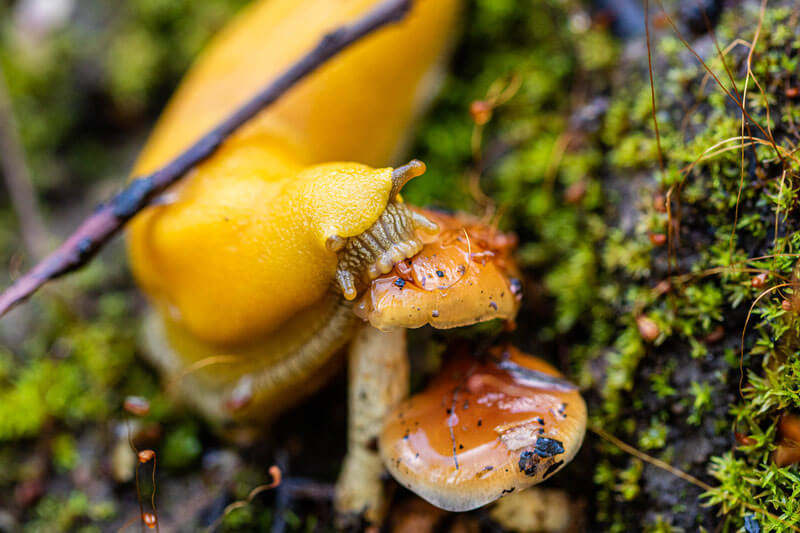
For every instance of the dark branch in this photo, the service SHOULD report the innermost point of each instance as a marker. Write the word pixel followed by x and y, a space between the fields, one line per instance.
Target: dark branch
pixel 110 217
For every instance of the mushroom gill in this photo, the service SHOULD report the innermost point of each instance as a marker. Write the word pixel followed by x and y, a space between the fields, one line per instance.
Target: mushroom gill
pixel 484 429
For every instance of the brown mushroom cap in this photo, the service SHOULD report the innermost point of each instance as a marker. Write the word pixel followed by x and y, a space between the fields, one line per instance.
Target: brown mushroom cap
pixel 464 274
pixel 484 429
pixel 788 450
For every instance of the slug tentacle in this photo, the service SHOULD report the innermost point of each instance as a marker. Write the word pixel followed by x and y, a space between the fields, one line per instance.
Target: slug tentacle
pixel 347 283
pixel 335 243
pixel 424 222
pixel 404 174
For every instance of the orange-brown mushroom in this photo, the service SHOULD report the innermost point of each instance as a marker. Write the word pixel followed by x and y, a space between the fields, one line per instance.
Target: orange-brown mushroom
pixel 484 429
pixel 788 450
pixel 464 274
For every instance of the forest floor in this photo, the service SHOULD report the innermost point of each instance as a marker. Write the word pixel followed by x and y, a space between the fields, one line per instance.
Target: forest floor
pixel 658 267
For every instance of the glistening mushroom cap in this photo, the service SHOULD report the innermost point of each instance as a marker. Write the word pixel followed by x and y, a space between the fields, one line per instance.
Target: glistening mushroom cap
pixel 484 429
pixel 788 449
pixel 464 274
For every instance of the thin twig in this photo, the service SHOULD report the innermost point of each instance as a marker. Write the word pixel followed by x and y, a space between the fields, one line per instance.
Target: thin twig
pixel 745 123
pixel 107 220
pixel 17 178
pixel 274 471
pixel 725 90
pixel 652 85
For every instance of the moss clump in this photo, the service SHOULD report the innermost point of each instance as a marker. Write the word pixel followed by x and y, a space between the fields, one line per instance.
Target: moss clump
pixel 74 512
pixel 529 162
pixel 182 447
pixel 498 45
pixel 653 330
pixel 70 374
pixel 671 390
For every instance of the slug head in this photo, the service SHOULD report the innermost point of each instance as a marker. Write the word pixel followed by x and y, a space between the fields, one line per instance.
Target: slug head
pixel 248 241
pixel 392 238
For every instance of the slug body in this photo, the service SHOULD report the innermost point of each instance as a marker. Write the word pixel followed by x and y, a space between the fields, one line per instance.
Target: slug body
pixel 242 259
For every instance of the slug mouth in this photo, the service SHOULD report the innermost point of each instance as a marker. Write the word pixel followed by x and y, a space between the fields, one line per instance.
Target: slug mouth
pixel 390 240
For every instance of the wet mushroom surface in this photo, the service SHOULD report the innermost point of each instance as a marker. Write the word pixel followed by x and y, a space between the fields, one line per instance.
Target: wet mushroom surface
pixel 483 429
pixel 464 274
pixel 787 450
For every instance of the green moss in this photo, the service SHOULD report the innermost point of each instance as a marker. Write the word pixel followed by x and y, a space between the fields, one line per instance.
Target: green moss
pixel 182 447
pixel 65 455
pixel 70 375
pixel 240 518
pixel 662 524
pixel 714 294
pixel 69 513
pixel 654 437
pixel 595 266
pixel 702 402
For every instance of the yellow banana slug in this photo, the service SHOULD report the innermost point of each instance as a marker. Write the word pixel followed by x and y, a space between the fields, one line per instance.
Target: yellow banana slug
pixel 250 262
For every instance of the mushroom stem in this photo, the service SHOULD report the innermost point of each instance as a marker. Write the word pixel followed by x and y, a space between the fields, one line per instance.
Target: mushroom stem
pixel 378 382
pixel 404 174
